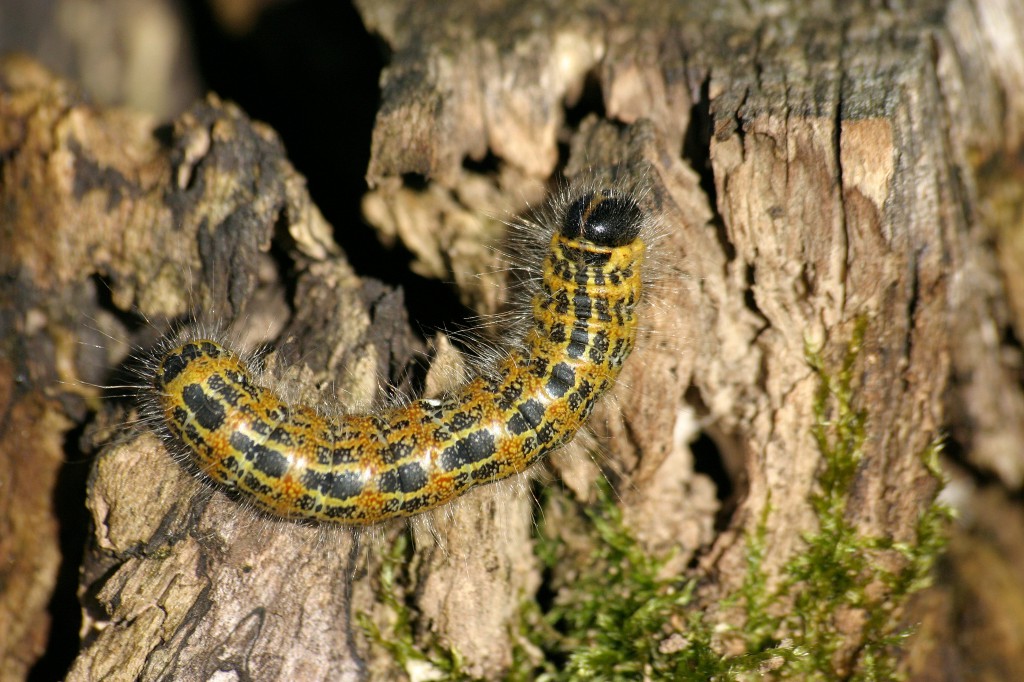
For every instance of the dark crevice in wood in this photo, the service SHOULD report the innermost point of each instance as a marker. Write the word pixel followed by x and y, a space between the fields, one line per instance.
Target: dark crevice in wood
pixel 696 149
pixel 487 166
pixel 707 460
pixel 64 610
pixel 590 102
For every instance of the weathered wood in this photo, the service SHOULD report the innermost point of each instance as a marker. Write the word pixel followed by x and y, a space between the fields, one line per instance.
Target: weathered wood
pixel 175 221
pixel 816 168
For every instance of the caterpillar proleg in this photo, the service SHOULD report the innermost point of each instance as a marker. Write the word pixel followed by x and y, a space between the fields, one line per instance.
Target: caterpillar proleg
pixel 293 462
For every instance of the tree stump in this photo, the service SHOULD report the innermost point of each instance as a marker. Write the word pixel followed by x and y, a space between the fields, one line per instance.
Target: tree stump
pixel 834 288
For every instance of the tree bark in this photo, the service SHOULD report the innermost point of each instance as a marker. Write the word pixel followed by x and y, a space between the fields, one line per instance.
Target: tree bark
pixel 830 183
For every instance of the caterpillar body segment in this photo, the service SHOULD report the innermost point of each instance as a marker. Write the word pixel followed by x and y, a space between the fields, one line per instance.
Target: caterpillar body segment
pixel 293 462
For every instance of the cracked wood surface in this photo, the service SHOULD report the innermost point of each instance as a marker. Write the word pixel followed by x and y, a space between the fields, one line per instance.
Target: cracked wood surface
pixel 813 166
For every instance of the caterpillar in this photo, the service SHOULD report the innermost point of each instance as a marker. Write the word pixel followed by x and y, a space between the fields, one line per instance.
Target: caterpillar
pixel 293 462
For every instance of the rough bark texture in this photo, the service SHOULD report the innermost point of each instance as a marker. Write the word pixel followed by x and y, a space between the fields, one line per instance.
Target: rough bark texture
pixel 815 169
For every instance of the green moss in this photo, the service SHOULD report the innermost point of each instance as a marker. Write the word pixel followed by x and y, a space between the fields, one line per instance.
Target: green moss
pixel 623 620
pixel 432 660
pixel 840 569
pixel 614 615
pixel 620 619
pixel 612 623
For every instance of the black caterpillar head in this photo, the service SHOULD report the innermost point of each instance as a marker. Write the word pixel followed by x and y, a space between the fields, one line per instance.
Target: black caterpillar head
pixel 604 218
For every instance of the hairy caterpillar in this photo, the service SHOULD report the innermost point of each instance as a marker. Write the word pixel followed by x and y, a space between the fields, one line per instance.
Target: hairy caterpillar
pixel 293 462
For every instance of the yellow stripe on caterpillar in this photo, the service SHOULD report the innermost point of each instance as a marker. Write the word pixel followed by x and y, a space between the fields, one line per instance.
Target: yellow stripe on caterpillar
pixel 292 462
